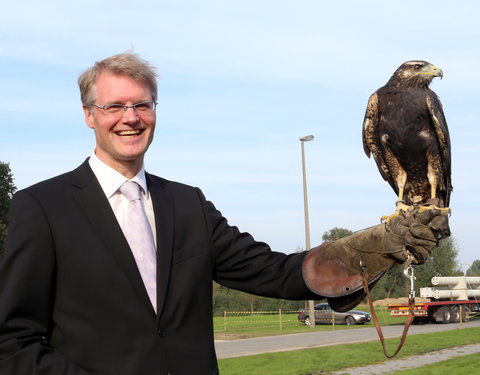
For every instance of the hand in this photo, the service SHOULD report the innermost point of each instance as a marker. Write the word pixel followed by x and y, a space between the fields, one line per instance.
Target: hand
pixel 416 233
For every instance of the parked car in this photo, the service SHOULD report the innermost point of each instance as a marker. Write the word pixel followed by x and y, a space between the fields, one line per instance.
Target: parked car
pixel 325 315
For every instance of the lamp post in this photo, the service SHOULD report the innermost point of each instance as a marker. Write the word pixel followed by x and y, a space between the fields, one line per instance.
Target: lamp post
pixel 304 139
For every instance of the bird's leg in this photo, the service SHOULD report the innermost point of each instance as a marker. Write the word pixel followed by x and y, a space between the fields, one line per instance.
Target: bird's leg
pixel 401 202
pixel 432 180
pixel 400 180
pixel 433 202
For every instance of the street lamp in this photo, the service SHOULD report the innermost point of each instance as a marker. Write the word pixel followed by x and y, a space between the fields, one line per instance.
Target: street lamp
pixel 307 138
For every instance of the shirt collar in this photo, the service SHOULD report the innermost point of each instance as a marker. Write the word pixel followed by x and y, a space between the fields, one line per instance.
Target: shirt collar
pixel 110 180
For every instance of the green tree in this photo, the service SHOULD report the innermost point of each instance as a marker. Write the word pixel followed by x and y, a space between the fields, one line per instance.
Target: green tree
pixel 226 299
pixel 474 269
pixel 392 285
pixel 7 188
pixel 443 262
pixel 336 233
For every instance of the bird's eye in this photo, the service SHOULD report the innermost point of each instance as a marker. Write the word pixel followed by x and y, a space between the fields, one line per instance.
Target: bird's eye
pixel 417 67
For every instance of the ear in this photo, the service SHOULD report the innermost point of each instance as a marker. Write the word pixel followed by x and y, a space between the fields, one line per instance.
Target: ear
pixel 88 117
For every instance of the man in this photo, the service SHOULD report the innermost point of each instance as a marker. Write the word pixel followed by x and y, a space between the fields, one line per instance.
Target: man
pixel 80 295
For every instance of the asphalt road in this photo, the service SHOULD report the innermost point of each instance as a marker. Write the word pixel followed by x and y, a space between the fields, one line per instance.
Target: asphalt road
pixel 239 348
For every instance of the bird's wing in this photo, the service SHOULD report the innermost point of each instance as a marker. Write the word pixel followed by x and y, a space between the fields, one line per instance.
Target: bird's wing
pixel 371 138
pixel 441 130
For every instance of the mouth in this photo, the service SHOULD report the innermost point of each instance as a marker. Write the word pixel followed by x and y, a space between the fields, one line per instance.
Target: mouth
pixel 129 133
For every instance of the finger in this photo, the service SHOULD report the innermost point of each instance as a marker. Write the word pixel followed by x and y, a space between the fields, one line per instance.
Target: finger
pixel 422 233
pixel 439 223
pixel 401 222
pixel 419 254
pixel 420 248
pixel 426 216
pixel 420 243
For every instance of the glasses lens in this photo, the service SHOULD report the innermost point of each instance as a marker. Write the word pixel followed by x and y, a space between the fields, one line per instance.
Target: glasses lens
pixel 113 109
pixel 144 106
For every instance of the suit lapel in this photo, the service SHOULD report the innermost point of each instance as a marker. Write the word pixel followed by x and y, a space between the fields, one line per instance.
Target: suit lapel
pixel 164 223
pixel 92 201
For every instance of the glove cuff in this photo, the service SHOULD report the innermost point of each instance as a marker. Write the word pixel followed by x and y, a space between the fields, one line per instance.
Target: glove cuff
pixel 333 269
pixel 329 277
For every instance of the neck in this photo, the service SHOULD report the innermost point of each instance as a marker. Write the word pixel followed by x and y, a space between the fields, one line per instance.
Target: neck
pixel 127 168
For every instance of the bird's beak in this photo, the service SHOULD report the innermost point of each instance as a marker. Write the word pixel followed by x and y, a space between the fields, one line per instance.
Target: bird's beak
pixel 434 71
pixel 437 72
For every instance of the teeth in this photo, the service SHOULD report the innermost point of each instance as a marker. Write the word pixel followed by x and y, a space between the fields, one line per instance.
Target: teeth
pixel 129 132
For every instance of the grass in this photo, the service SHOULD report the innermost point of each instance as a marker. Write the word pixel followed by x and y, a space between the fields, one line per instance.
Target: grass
pixel 244 325
pixel 331 358
pixel 464 365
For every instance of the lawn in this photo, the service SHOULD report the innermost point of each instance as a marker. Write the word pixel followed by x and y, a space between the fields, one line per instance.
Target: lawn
pixel 331 358
pixel 464 365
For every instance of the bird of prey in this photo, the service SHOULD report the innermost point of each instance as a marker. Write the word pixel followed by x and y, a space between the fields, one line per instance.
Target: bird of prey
pixel 406 132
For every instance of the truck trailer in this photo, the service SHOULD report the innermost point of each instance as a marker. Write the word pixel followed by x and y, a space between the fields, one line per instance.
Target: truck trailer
pixel 451 299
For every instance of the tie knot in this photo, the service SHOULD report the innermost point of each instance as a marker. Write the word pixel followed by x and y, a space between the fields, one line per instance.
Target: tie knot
pixel 131 190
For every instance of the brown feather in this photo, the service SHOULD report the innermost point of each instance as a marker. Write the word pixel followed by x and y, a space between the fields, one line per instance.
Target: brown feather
pixel 406 132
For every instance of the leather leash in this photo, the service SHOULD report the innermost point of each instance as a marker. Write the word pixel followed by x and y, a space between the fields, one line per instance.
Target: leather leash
pixel 411 315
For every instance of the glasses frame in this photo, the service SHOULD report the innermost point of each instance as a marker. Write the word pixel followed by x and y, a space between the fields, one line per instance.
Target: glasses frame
pixel 106 107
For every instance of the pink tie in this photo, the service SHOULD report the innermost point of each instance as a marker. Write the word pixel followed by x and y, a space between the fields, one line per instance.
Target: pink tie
pixel 140 238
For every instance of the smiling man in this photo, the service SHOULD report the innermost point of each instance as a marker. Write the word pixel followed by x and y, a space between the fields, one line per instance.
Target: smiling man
pixel 124 122
pixel 108 269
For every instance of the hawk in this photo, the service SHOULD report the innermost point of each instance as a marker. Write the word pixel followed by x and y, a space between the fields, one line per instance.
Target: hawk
pixel 406 132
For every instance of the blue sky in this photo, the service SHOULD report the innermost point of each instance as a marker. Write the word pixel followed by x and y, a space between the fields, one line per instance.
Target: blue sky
pixel 240 82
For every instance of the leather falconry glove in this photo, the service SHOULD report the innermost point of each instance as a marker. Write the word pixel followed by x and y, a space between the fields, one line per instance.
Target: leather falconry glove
pixel 334 269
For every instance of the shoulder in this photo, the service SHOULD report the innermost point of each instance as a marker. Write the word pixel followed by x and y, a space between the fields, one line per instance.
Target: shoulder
pixel 47 187
pixel 59 185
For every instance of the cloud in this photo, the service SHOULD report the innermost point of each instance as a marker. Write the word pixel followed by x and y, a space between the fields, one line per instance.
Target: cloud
pixel 240 81
pixel 279 42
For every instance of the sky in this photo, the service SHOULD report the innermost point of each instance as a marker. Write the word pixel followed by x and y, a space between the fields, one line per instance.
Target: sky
pixel 239 83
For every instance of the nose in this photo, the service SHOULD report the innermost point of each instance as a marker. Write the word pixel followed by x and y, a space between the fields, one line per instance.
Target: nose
pixel 130 115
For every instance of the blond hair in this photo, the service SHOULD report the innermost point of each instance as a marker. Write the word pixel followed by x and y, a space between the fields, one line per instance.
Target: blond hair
pixel 124 64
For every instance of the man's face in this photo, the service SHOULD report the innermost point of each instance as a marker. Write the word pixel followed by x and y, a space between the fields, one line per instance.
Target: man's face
pixel 123 138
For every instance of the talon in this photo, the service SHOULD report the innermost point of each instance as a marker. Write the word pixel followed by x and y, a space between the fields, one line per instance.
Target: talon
pixel 401 206
pixel 388 218
pixel 443 210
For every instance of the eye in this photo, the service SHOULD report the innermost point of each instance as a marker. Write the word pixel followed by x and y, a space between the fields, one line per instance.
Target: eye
pixel 143 106
pixel 113 108
pixel 418 67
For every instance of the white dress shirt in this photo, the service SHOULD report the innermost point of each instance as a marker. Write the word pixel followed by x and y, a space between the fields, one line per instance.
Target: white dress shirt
pixel 110 180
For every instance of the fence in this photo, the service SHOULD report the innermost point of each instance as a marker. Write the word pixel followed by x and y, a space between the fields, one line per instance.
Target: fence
pixel 241 320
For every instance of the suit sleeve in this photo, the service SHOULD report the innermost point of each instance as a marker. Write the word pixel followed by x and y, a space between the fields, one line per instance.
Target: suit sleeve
pixel 245 264
pixel 27 292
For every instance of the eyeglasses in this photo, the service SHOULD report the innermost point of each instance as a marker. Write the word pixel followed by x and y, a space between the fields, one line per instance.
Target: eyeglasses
pixel 119 109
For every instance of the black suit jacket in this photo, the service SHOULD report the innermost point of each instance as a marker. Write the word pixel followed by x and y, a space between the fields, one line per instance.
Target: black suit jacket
pixel 72 300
